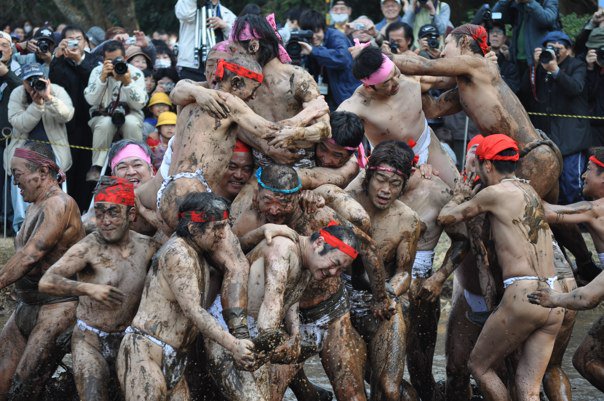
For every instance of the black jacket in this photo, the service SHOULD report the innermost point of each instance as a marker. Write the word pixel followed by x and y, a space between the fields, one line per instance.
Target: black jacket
pixel 565 94
pixel 7 83
pixel 509 72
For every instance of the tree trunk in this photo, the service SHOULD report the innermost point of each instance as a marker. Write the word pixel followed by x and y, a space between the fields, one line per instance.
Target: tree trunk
pixel 579 7
pixel 73 14
pixel 124 10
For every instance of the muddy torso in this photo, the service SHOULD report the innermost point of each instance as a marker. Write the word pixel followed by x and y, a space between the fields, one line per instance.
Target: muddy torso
pixel 124 269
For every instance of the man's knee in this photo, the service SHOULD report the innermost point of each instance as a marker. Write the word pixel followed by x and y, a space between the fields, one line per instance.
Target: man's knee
pixel 476 367
pixel 102 125
pixel 133 128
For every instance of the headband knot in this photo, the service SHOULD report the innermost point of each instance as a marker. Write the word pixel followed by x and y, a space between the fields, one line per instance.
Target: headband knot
pixel 41 161
pixel 237 69
pixel 338 243
pixel 247 33
pixel 476 32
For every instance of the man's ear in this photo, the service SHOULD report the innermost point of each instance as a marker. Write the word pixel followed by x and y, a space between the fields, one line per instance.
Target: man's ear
pixel 132 214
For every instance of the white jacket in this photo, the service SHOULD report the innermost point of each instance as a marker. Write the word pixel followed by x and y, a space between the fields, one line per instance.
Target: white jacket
pixel 54 114
pixel 99 93
pixel 186 11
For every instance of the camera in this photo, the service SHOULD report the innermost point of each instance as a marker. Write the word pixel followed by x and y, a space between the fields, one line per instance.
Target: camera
pixel 73 43
pixel 548 53
pixel 599 54
pixel 119 66
pixel 43 45
pixel 394 48
pixel 118 115
pixel 433 42
pixel 130 41
pixel 37 84
pixel 293 47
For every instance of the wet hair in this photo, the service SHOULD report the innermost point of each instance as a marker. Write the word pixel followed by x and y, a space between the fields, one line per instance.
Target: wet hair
pixel 313 20
pixel 116 147
pixel 294 13
pixel 113 45
pixel 395 26
pixel 503 166
pixel 166 72
pixel 367 62
pixel 342 233
pixel 598 153
pixel 42 148
pixel 212 205
pixel 279 176
pixel 396 154
pixel 346 129
pixel 73 28
pixel 465 30
pixel 251 8
pixel 268 40
pixel 242 60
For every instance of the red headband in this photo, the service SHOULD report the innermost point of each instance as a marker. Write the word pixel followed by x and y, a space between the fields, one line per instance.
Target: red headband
pixel 338 243
pixel 412 144
pixel 594 160
pixel 202 217
pixel 40 160
pixel 387 169
pixel 477 32
pixel 477 140
pixel 241 147
pixel 121 192
pixel 237 69
pixel 492 145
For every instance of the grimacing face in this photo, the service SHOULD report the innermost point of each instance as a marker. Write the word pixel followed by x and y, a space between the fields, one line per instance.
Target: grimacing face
pixel 329 264
pixel 384 188
pixel 331 155
pixel 275 207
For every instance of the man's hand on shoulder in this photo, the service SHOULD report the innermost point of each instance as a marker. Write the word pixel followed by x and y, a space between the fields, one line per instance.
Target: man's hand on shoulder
pixel 213 102
pixel 273 230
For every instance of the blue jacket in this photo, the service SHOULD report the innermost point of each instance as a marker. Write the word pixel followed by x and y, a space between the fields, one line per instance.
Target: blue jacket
pixel 541 17
pixel 333 61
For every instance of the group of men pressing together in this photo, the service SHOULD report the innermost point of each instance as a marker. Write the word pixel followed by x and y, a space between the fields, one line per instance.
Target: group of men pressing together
pixel 246 273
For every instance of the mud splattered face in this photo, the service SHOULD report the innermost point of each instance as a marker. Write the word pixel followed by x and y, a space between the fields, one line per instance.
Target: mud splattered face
pixel 325 264
pixel 28 181
pixel 384 188
pixel 275 207
pixel 331 155
pixel 111 220
pixel 452 48
pixel 212 236
pixel 592 180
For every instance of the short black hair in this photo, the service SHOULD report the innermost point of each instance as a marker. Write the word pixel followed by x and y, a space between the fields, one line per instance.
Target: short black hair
pixel 166 72
pixel 75 28
pixel 367 62
pixel 598 153
pixel 504 166
pixel 346 128
pixel 212 205
pixel 312 20
pixel 279 176
pixel 162 48
pixel 42 148
pixel 268 40
pixel 251 8
pixel 395 26
pixel 396 154
pixel 113 45
pixel 293 14
pixel 116 147
pixel 343 233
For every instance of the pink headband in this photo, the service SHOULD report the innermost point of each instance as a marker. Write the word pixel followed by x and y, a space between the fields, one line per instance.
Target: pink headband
pixel 387 169
pixel 131 150
pixel 247 34
pixel 361 156
pixel 381 74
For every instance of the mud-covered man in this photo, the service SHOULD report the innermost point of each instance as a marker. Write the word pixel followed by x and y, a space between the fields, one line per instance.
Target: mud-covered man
pixel 31 342
pixel 281 268
pixel 152 357
pixel 111 265
pixel 523 246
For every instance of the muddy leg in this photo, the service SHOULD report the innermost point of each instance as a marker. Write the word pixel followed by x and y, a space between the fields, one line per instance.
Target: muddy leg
pixel 421 343
pixel 441 161
pixel 12 344
pixel 305 390
pixel 42 354
pixel 589 356
pixel 343 358
pixel 90 369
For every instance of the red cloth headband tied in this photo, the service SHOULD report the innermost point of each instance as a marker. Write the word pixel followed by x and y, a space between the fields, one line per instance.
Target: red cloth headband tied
pixel 387 169
pixel 237 69
pixel 594 160
pixel 202 217
pixel 476 32
pixel 241 147
pixel 41 161
pixel 120 192
pixel 492 145
pixel 338 243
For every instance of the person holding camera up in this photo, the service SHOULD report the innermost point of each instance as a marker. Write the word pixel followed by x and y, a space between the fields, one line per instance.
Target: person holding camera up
pixel 399 38
pixel 428 40
pixel 419 13
pixel 37 110
pixel 557 86
pixel 595 82
pixel 39 49
pixel 116 92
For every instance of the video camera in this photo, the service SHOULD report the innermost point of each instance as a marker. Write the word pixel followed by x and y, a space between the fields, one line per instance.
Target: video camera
pixel 293 47
pixel 548 54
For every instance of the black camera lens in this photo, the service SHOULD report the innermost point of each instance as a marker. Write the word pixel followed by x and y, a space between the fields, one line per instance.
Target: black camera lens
pixel 548 53
pixel 118 116
pixel 37 84
pixel 119 66
pixel 43 46
pixel 433 42
pixel 394 47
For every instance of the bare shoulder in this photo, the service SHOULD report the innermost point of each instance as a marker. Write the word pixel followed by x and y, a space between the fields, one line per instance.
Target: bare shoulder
pixel 353 103
pixel 280 247
pixel 304 86
pixel 403 213
pixel 148 244
pixel 176 254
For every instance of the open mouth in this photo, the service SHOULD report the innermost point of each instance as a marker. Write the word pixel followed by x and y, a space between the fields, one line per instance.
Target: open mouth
pixel 382 200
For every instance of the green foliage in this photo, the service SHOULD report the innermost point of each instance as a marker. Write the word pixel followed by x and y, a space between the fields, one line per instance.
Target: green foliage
pixel 573 23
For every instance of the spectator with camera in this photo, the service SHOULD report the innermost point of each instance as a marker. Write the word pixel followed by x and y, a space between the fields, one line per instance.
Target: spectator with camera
pixel 419 13
pixel 339 14
pixel 399 38
pixel 37 110
pixel 531 19
pixel 595 82
pixel 499 45
pixel 391 10
pixel 329 60
pixel 39 49
pixel 71 69
pixel 429 42
pixel 556 85
pixel 362 29
pixel 116 92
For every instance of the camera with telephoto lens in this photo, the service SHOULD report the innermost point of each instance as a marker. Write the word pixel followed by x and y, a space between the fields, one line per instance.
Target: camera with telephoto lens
pixel 293 48
pixel 43 45
pixel 119 66
pixel 599 54
pixel 37 84
pixel 118 115
pixel 394 48
pixel 433 42
pixel 548 53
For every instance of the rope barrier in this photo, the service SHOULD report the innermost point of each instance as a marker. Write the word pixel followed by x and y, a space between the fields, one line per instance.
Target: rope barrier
pixel 6 137
pixel 533 113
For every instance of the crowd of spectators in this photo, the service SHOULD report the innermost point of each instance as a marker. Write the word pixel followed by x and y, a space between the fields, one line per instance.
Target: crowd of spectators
pixel 84 88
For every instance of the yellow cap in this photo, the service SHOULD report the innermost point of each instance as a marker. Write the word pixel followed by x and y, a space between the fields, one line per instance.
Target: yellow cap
pixel 166 118
pixel 159 98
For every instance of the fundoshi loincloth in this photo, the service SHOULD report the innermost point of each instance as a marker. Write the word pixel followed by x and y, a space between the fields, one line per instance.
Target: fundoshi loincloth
pixel 173 362
pixel 422 265
pixel 422 145
pixel 109 342
pixel 198 174
pixel 315 321
pixel 548 280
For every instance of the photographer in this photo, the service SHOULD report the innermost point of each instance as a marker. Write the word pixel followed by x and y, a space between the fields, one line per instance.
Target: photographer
pixel 595 82
pixel 399 38
pixel 116 92
pixel 558 87
pixel 71 69
pixel 429 42
pixel 328 59
pixel 37 110
pixel 362 29
pixel 39 49
pixel 499 45
pixel 419 13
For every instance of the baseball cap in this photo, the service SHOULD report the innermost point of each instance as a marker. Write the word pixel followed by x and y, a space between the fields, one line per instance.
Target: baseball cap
pixel 5 36
pixel 557 36
pixel 427 30
pixel 96 35
pixel 31 70
pixel 45 33
pixel 398 1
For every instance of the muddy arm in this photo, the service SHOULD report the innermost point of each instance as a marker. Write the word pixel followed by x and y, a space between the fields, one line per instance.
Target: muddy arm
pixel 583 298
pixel 289 352
pixel 443 83
pixel 446 104
pixel 446 67
pixel 580 212
pixel 405 255
pixel 55 281
pixel 345 205
pixel 315 177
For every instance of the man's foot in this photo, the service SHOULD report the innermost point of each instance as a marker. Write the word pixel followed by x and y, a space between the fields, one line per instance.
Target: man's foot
pixel 94 174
